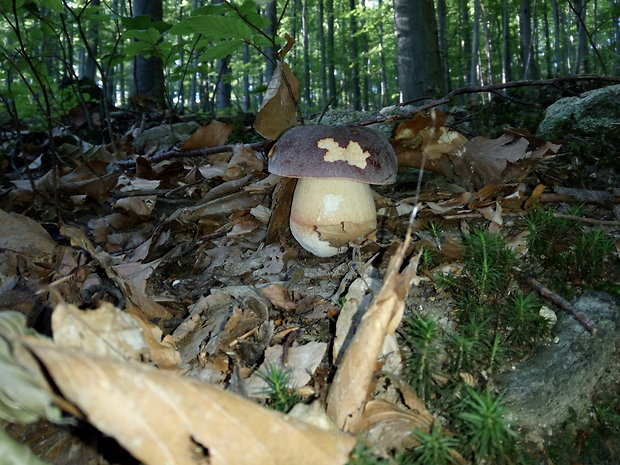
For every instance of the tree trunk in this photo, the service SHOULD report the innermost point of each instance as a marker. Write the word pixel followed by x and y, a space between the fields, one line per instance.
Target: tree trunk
pixel 506 54
pixel 90 67
pixel 419 64
pixel 581 62
pixel 354 84
pixel 270 52
pixel 465 42
pixel 528 57
pixel 474 68
pixel 320 37
pixel 365 61
pixel 223 89
pixel 548 54
pixel 148 73
pixel 616 63
pixel 441 36
pixel 383 86
pixel 331 73
pixel 305 40
pixel 246 79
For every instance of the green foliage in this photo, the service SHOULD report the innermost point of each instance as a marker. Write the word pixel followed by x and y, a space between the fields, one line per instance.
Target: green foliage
pixel 488 433
pixel 545 231
pixel 281 397
pixel 362 454
pixel 435 448
pixel 522 316
pixel 591 250
pixel 421 336
pixel 487 261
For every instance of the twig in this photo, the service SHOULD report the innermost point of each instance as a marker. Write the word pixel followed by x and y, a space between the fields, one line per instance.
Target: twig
pixel 562 303
pixel 479 89
pixel 176 153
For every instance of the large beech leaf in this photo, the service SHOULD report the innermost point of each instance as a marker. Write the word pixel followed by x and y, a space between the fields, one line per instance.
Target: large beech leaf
pixel 161 418
pixel 279 109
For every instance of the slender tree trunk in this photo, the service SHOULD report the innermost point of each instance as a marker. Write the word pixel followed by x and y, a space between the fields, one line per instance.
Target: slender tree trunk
pixel 365 62
pixel 270 52
pixel 465 42
pixel 475 46
pixel 487 50
pixel 331 73
pixel 616 63
pixel 581 62
pixel 148 73
pixel 354 85
pixel 548 54
pixel 419 64
pixel 383 85
pixel 223 89
pixel 246 79
pixel 506 53
pixel 320 37
pixel 528 56
pixel 306 45
pixel 443 47
pixel 90 67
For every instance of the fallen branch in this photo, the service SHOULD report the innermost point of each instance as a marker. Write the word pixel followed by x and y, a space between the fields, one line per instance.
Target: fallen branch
pixel 562 303
pixel 179 154
pixel 480 89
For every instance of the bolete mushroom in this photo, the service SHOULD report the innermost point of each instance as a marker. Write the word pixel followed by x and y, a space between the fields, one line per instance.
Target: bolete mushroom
pixel 333 203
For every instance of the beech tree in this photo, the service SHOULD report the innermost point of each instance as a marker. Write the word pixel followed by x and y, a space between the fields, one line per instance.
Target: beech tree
pixel 148 71
pixel 419 62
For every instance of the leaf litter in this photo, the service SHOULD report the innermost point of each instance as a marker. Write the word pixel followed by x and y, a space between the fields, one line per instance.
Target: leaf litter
pixel 201 286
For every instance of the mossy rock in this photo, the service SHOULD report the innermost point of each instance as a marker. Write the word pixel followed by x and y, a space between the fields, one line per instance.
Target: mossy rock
pixel 593 113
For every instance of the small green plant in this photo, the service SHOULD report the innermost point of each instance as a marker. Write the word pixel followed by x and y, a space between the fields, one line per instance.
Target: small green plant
pixel 435 448
pixel 488 433
pixel 546 232
pixel 487 261
pixel 280 396
pixel 422 335
pixel 428 259
pixel 435 229
pixel 591 250
pixel 362 454
pixel 527 325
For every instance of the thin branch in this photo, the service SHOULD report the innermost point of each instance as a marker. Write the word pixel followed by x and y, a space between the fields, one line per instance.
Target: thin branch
pixel 479 89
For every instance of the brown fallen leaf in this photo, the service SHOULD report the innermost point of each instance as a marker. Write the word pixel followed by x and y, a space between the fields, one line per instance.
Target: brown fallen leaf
pixel 354 378
pixel 162 419
pixel 210 135
pixel 112 333
pixel 279 109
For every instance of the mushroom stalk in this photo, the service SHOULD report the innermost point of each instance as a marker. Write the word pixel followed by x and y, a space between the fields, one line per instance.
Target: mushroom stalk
pixel 328 213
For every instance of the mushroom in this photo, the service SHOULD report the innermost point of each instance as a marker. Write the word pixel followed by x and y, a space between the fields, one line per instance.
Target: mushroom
pixel 333 203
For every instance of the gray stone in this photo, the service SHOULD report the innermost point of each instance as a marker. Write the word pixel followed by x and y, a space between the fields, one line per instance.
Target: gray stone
pixel 593 113
pixel 164 137
pixel 563 375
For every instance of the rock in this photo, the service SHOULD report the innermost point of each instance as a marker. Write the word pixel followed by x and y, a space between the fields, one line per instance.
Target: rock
pixel 561 377
pixel 593 113
pixel 164 137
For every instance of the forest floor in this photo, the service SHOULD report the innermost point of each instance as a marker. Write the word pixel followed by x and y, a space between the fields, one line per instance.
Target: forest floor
pixel 197 251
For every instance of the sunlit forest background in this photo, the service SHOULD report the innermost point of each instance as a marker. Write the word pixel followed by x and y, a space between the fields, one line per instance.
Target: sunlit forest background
pixel 218 57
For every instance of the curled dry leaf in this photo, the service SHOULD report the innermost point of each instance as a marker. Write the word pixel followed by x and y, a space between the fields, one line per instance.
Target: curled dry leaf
pixel 279 109
pixel 354 378
pixel 112 333
pixel 192 422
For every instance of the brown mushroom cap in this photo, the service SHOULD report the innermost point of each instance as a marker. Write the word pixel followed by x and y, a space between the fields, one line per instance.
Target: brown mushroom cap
pixel 319 151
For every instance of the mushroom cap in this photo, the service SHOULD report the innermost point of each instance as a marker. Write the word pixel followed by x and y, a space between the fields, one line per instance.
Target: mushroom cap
pixel 319 151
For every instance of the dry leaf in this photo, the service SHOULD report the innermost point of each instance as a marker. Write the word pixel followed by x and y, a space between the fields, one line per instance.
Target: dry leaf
pixel 354 378
pixel 162 419
pixel 110 332
pixel 279 109
pixel 210 135
pixel 279 297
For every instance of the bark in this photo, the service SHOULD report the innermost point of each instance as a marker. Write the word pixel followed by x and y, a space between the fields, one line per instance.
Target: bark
pixel 223 89
pixel 419 64
pixel 441 36
pixel 320 37
pixel 528 56
pixel 616 64
pixel 354 85
pixel 90 67
pixel 548 54
pixel 506 53
pixel 383 87
pixel 270 52
pixel 331 74
pixel 474 68
pixel 305 40
pixel 581 62
pixel 465 42
pixel 148 73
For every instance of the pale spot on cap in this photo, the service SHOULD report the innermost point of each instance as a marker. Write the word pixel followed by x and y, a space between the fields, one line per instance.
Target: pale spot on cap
pixel 353 153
